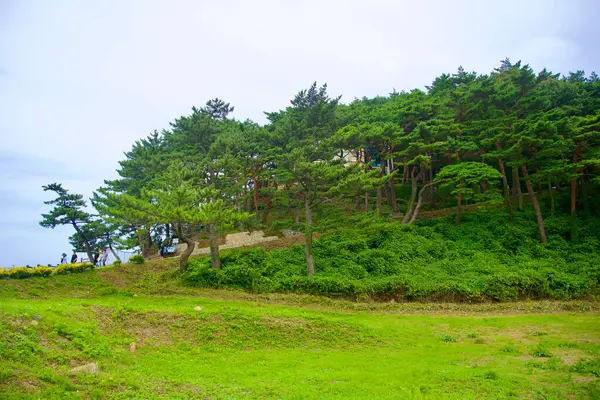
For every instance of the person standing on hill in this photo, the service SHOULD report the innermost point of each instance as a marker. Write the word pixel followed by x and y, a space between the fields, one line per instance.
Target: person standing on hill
pixel 104 258
pixel 74 257
pixel 63 258
pixel 96 256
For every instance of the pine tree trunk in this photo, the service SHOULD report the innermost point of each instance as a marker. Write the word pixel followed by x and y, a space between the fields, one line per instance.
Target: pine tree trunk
pixel 536 206
pixel 506 189
pixel 552 204
pixel 378 201
pixel 366 201
pixel 147 247
pixel 183 259
pixel 432 188
pixel 357 201
pixel 215 261
pixel 574 230
pixel 266 210
pixel 415 213
pixel 310 262
pixel 245 190
pixel 168 230
pixel 298 211
pixel 413 196
pixel 255 184
pixel 393 200
pixel 380 190
pixel 585 186
pixel 517 186
pixel 458 204
pixel 114 253
pixel 86 243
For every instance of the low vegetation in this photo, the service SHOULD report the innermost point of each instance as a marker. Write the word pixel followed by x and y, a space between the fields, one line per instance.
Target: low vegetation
pixel 152 335
pixel 227 344
pixel 62 269
pixel 483 259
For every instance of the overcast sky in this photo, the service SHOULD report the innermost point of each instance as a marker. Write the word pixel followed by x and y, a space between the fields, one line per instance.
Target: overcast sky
pixel 80 81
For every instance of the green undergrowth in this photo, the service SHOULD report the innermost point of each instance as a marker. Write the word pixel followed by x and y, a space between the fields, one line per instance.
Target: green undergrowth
pixel 483 259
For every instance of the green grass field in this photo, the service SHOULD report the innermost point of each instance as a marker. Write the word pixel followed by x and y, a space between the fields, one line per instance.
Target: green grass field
pixel 241 345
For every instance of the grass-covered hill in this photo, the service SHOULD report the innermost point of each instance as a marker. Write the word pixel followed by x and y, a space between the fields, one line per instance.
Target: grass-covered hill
pixel 150 331
pixel 225 344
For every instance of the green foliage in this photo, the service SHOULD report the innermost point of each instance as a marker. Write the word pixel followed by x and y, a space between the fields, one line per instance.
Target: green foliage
pixel 63 269
pixel 361 350
pixel 483 259
pixel 541 350
pixel 137 259
pixel 449 339
pixel 41 271
pixel 23 272
pixel 465 141
pixel 116 263
pixel 588 367
pixel 19 273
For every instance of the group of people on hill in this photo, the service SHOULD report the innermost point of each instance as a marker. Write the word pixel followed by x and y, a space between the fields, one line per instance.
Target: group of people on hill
pixel 100 258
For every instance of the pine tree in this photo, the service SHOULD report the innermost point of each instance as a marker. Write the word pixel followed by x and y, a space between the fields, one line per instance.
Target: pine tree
pixel 68 210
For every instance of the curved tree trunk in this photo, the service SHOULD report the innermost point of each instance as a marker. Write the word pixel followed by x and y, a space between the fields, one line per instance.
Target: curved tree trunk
pixel 506 190
pixel 413 196
pixel 420 201
pixel 215 261
pixel 183 260
pixel 536 205
pixel 86 243
pixel 114 253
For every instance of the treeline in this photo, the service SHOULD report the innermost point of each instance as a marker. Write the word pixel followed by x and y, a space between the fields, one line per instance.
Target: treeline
pixel 511 136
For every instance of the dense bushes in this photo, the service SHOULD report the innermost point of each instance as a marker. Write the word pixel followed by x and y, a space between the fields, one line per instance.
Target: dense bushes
pixel 72 268
pixel 136 259
pixel 23 272
pixel 483 259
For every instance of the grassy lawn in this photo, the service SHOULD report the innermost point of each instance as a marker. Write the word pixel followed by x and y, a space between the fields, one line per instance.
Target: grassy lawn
pixel 239 345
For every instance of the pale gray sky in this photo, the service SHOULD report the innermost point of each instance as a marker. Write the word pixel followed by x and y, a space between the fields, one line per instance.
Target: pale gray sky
pixel 80 81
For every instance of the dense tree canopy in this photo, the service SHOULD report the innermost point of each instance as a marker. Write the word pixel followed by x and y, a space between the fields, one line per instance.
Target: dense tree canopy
pixel 511 136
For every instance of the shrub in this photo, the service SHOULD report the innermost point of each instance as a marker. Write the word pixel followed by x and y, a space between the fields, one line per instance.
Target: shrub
pixel 137 259
pixel 41 271
pixel 4 273
pixel 20 273
pixel 72 268
pixel 449 339
pixel 541 350
pixel 116 263
pixel 483 259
